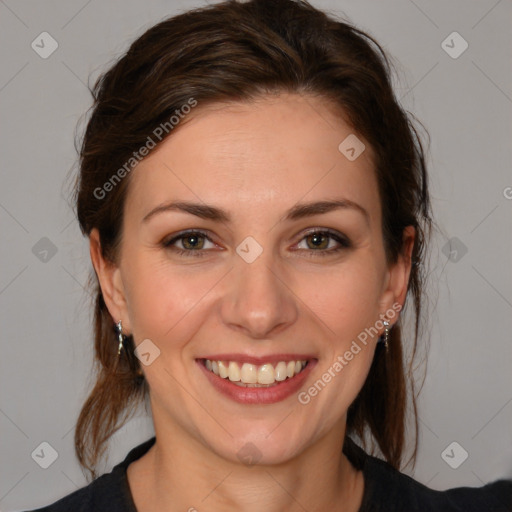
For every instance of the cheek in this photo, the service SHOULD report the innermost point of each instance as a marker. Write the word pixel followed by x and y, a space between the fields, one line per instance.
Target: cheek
pixel 346 301
pixel 345 298
pixel 165 301
pixel 162 297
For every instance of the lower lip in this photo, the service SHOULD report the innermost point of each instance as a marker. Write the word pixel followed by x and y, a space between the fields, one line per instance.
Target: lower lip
pixel 266 395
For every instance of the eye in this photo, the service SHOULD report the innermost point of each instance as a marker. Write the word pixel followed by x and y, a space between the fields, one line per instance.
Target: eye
pixel 318 242
pixel 189 243
pixel 323 242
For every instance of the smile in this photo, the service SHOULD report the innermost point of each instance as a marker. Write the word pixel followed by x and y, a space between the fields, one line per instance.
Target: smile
pixel 252 375
pixel 257 380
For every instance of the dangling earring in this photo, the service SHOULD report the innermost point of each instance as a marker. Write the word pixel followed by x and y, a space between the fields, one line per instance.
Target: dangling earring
pixel 386 334
pixel 120 337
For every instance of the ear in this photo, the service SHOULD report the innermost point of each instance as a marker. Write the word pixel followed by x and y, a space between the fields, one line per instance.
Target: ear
pixel 398 275
pixel 109 277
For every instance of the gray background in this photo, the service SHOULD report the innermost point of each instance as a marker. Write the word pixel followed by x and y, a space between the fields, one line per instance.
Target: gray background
pixel 464 102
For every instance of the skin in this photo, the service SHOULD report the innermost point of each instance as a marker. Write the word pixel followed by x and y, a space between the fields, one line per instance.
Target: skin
pixel 256 161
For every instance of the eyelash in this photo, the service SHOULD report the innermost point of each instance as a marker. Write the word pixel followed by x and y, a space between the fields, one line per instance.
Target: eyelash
pixel 344 243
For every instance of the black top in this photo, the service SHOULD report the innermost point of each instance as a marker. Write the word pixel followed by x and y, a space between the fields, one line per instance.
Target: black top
pixel 385 490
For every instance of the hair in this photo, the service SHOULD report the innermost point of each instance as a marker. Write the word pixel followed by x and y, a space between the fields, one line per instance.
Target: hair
pixel 235 52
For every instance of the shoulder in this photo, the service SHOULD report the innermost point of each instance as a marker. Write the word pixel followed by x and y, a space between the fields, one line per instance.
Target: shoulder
pixel 102 494
pixel 405 494
pixel 388 489
pixel 108 493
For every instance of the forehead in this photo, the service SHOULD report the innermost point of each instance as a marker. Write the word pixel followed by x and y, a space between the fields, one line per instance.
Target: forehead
pixel 277 149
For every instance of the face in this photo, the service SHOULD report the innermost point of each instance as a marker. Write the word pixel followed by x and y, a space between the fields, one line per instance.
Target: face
pixel 273 255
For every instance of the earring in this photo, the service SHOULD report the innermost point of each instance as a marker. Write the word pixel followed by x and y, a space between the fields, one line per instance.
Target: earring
pixel 120 337
pixel 386 334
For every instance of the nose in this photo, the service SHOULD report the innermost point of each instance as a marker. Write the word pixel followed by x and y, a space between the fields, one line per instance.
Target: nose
pixel 259 302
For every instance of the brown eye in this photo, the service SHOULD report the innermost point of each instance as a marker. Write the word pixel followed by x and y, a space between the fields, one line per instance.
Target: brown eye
pixel 317 241
pixel 191 243
pixel 323 243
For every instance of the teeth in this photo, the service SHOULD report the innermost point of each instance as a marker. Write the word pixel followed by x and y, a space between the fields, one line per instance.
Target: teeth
pixel 249 374
pixel 223 370
pixel 266 374
pixel 280 371
pixel 233 372
pixel 253 375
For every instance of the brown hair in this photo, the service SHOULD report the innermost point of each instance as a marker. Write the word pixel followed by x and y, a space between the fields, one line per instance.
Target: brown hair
pixel 236 51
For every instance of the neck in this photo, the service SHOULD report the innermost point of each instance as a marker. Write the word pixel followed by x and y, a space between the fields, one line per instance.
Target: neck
pixel 182 474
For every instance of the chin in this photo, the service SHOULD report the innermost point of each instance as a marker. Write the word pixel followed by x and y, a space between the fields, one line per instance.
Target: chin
pixel 258 447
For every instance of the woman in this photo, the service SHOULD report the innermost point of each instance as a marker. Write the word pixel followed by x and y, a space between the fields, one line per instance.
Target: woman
pixel 258 213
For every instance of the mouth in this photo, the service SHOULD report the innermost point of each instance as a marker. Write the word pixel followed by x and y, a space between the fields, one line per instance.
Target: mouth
pixel 252 375
pixel 256 380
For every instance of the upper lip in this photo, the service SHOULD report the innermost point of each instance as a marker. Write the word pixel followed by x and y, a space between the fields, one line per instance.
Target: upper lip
pixel 258 360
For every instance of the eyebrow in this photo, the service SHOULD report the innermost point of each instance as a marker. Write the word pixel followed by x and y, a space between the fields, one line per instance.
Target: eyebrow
pixel 299 211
